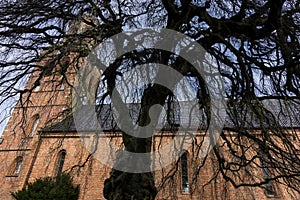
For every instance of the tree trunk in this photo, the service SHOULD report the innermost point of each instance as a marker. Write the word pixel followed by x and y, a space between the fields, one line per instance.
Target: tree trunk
pixel 136 186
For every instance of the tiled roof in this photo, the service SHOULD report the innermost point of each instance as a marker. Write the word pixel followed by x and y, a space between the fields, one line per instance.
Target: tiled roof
pixel 276 113
pixel 268 113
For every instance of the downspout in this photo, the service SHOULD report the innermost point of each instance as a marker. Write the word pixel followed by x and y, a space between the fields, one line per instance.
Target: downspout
pixel 33 160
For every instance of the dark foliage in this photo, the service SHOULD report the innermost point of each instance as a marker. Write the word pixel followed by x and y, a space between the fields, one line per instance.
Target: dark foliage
pixel 59 188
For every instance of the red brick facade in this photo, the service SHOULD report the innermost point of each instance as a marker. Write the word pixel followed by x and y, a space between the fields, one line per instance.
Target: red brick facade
pixel 39 155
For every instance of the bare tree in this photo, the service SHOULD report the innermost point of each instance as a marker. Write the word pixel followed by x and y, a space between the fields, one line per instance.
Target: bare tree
pixel 254 43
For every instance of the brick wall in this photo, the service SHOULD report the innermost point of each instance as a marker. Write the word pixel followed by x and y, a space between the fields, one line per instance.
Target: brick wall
pixel 40 154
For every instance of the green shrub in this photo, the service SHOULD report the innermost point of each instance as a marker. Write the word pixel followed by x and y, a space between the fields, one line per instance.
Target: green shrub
pixel 59 188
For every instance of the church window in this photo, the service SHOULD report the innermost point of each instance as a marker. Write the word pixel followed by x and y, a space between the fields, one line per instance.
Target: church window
pixel 184 173
pixel 34 125
pixel 15 167
pixel 60 162
pixel 18 166
pixel 269 188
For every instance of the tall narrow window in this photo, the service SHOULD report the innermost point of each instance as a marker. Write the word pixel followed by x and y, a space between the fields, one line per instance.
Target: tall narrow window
pixel 34 126
pixel 267 175
pixel 60 162
pixel 18 166
pixel 184 173
pixel 15 167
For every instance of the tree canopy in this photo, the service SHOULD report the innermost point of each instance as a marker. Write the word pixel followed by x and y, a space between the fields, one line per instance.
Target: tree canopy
pixel 254 45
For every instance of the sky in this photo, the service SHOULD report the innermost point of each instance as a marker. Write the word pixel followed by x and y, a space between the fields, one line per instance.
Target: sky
pixel 5 111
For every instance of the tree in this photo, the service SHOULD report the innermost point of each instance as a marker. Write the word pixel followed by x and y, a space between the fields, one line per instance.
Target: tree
pixel 255 45
pixel 60 187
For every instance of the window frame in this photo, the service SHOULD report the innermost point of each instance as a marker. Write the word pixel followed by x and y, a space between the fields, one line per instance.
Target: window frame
pixel 33 126
pixel 269 187
pixel 16 167
pixel 184 176
pixel 61 157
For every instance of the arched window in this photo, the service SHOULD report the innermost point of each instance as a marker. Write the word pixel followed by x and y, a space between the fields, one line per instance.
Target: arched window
pixel 184 173
pixel 34 125
pixel 269 188
pixel 16 166
pixel 60 162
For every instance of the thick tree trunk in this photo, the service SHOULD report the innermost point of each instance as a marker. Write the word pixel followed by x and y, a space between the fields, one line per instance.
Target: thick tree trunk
pixel 136 186
pixel 129 186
